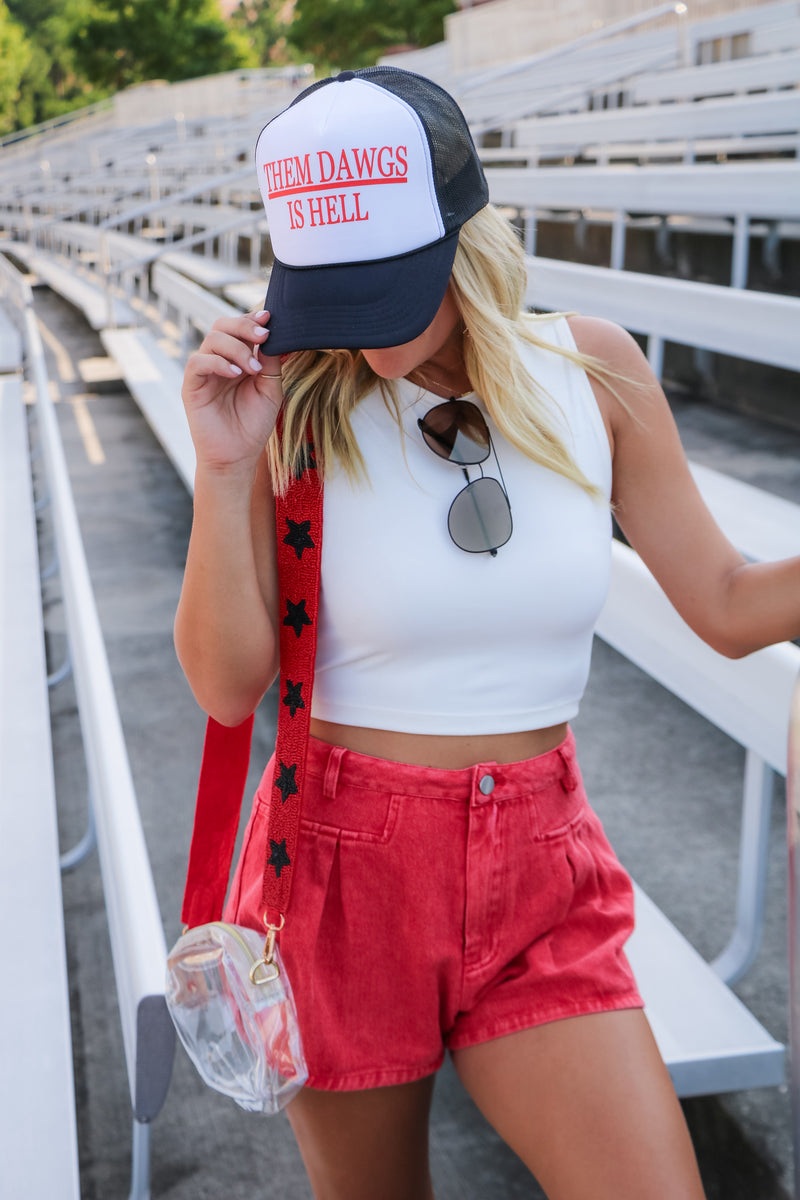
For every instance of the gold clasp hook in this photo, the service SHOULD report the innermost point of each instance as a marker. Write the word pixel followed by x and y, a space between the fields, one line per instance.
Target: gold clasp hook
pixel 267 962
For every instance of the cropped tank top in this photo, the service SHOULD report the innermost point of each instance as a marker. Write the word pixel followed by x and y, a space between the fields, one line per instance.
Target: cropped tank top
pixel 418 636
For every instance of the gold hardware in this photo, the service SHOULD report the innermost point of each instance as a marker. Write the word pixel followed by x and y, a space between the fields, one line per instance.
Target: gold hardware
pixel 271 971
pixel 267 960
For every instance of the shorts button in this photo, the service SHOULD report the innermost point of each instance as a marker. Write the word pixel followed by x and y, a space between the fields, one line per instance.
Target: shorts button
pixel 486 785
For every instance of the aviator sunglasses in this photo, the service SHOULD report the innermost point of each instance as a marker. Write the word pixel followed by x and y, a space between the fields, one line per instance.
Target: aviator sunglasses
pixel 479 520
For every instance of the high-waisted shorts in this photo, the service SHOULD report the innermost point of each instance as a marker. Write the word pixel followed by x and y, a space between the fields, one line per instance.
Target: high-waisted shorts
pixel 436 909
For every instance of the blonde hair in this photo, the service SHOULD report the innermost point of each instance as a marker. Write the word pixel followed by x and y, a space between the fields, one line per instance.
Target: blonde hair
pixel 489 277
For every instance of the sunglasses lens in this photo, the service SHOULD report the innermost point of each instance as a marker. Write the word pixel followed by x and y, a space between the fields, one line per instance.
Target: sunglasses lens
pixel 479 517
pixel 457 431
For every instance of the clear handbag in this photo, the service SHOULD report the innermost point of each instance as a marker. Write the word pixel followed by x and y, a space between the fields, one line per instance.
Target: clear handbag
pixel 227 990
pixel 231 1001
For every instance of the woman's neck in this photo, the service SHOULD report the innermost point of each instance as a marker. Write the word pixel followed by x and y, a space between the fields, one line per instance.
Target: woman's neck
pixel 445 373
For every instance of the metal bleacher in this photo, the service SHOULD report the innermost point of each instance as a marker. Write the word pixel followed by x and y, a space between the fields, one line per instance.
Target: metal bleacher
pixel 35 1037
pixel 113 225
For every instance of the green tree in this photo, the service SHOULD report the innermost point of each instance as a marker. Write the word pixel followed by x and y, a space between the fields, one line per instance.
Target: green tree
pixel 266 26
pixel 354 33
pixel 52 82
pixel 129 41
pixel 15 56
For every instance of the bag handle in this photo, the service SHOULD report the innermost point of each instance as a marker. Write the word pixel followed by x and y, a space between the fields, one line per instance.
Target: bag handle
pixel 226 751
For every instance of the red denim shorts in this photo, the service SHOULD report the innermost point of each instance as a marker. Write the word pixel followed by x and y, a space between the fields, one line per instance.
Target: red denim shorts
pixel 436 909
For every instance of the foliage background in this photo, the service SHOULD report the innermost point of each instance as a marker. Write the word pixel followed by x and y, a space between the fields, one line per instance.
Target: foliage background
pixel 56 55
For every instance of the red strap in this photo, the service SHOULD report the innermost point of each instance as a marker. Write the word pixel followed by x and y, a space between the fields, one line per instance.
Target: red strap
pixel 226 752
pixel 298 515
pixel 223 776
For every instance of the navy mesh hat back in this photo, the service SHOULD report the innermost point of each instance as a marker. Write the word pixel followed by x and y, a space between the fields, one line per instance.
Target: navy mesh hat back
pixel 367 178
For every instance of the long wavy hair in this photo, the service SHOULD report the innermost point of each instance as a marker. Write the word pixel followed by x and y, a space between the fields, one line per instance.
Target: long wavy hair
pixel 488 281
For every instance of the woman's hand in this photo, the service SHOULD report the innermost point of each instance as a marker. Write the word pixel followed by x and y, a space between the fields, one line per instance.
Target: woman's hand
pixel 231 393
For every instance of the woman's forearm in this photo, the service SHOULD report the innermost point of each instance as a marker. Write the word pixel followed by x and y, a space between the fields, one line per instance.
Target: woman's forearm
pixel 763 605
pixel 225 635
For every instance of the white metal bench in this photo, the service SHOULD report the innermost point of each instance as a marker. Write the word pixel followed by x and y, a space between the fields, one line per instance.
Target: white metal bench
pixel 738 190
pixel 683 149
pixel 762 189
pixel 777 112
pixel 37 1098
pixel 689 150
pixel 709 1040
pixel 122 248
pixel 194 305
pixel 676 310
pixel 90 298
pixel 767 71
pixel 154 380
pixel 763 526
pixel 204 270
pixel 136 933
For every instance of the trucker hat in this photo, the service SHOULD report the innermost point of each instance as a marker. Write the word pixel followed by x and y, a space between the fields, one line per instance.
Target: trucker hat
pixel 366 178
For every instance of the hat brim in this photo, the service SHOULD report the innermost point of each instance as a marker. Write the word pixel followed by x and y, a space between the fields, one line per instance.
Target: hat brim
pixel 358 306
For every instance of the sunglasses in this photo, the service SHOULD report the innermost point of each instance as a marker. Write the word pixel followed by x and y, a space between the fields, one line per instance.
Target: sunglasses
pixel 479 520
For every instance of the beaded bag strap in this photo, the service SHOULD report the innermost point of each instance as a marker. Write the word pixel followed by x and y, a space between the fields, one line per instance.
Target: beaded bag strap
pixel 226 751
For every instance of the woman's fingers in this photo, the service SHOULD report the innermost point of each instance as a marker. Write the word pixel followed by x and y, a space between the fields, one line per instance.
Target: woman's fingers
pixel 200 366
pixel 233 349
pixel 250 327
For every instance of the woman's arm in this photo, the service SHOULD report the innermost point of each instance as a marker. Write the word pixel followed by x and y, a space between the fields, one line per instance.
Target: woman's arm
pixel 226 624
pixel 734 606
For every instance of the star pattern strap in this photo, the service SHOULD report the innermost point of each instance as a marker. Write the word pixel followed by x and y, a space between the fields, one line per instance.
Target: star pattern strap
pixel 298 518
pixel 226 752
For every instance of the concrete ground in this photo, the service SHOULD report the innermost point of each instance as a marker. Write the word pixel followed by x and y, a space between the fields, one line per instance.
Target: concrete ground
pixel 665 783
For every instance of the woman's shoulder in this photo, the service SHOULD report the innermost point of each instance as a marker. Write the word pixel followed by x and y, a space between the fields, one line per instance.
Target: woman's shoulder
pixel 614 346
pixel 628 391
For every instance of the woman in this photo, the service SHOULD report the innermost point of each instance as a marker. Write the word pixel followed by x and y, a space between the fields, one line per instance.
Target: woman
pixel 453 889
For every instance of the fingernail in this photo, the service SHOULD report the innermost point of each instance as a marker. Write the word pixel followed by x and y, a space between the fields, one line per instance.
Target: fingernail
pixel 255 364
pixel 236 369
pixel 260 332
pixel 264 313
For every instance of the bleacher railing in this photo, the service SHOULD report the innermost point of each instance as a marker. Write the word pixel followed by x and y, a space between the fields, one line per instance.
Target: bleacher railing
pixel 136 932
pixel 57 124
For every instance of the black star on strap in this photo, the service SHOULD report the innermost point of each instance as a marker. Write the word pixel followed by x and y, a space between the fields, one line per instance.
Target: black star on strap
pixel 305 460
pixel 294 698
pixel 278 858
pixel 296 616
pixel 286 782
pixel 298 536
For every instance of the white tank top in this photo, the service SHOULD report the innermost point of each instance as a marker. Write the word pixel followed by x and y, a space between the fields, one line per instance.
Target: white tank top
pixel 418 636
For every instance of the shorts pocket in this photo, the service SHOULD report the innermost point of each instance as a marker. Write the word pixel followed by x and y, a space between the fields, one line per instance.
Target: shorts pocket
pixel 352 815
pixel 557 813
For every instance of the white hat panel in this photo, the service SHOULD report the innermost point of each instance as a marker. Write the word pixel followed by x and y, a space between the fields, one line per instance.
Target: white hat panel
pixel 345 176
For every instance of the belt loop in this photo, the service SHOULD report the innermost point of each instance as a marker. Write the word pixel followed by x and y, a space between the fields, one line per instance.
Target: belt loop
pixel 332 772
pixel 569 780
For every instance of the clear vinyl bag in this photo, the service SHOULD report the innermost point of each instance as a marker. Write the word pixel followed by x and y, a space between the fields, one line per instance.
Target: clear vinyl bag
pixel 231 1001
pixel 227 990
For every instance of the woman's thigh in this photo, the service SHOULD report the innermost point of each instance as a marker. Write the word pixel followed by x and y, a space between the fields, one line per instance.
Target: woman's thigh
pixel 365 1144
pixel 589 1107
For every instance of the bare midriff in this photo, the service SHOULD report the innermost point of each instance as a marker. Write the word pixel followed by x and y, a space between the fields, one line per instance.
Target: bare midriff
pixel 449 753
